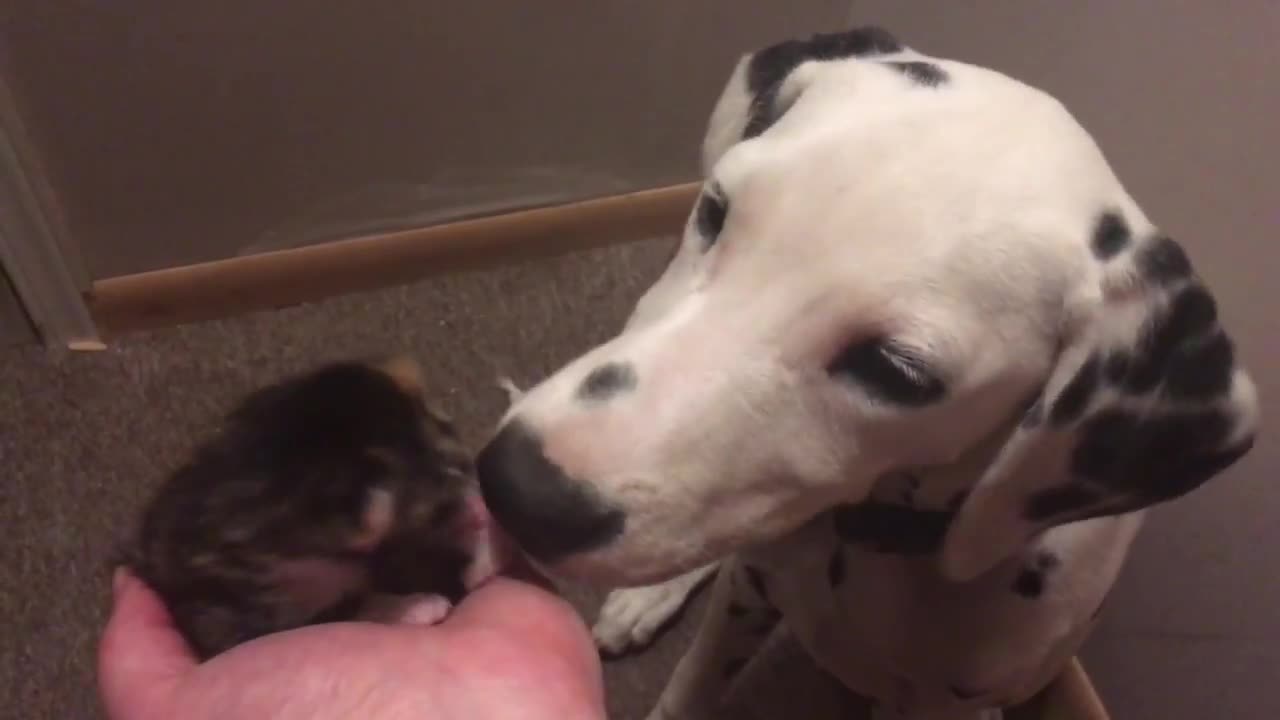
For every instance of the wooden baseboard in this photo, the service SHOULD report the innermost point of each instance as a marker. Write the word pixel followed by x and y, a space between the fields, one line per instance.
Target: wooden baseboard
pixel 223 288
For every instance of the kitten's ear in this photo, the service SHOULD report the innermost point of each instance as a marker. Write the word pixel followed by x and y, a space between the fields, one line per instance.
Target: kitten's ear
pixel 405 372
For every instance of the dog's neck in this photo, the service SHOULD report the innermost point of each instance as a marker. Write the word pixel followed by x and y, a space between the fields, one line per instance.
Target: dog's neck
pixel 941 487
pixel 908 512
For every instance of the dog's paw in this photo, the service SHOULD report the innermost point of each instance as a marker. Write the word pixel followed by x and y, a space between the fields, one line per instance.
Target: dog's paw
pixel 630 618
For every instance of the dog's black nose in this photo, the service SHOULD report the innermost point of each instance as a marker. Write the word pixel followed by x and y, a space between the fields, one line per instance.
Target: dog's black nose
pixel 549 514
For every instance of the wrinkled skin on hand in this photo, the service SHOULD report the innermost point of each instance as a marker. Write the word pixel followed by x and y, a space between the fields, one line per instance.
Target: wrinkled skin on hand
pixel 510 650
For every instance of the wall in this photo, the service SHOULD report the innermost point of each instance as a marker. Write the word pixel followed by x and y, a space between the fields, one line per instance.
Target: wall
pixel 176 132
pixel 15 328
pixel 1183 98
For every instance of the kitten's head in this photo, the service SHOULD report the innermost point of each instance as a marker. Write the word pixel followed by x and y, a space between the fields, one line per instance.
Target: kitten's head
pixel 352 447
pixel 332 462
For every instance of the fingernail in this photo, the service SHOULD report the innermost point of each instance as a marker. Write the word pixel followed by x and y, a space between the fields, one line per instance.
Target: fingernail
pixel 118 580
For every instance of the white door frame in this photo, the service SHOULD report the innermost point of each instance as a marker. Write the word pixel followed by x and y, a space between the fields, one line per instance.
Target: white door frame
pixel 34 250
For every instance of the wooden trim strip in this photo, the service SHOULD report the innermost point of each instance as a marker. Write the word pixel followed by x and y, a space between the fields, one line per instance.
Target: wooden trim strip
pixel 223 288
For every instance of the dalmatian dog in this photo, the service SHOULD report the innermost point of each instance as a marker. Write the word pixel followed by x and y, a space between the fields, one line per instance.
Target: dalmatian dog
pixel 914 374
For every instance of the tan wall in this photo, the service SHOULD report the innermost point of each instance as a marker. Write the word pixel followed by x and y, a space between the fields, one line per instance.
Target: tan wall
pixel 1184 98
pixel 15 328
pixel 183 131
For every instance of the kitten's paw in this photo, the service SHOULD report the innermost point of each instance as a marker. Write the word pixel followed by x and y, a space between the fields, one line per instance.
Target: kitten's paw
pixel 415 609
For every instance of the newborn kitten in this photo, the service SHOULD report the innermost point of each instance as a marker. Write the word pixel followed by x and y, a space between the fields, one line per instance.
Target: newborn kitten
pixel 322 497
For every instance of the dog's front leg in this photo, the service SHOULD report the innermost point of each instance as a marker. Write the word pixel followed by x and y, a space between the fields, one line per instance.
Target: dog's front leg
pixel 739 617
pixel 633 617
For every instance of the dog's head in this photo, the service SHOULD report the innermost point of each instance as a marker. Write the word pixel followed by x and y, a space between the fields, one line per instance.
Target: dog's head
pixel 895 261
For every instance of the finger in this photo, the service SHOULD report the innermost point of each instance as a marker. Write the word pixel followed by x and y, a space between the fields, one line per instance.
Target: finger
pixel 141 655
pixel 532 619
pixel 524 613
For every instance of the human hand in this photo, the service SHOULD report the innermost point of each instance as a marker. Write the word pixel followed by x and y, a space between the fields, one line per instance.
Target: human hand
pixel 508 650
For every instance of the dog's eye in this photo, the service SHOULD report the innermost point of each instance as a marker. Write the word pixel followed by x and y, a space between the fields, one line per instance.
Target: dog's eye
pixel 713 207
pixel 888 372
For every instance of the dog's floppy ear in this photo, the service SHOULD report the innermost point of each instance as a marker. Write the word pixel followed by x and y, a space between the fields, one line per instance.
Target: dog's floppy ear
pixel 1144 403
pixel 765 83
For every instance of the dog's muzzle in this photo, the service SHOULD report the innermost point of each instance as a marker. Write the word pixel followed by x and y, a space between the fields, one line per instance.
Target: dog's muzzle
pixel 549 514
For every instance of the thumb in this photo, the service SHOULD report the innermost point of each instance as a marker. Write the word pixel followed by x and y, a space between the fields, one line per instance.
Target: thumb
pixel 530 616
pixel 141 656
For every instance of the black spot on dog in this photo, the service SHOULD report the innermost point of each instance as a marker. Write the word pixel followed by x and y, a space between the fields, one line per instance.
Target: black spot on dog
pixel 835 568
pixel 1110 236
pixel 891 529
pixel 1131 462
pixel 1162 261
pixel 1076 395
pixel 713 208
pixel 1045 560
pixel 1106 442
pixel 1120 450
pixel 1195 473
pixel 756 579
pixel 769 68
pixel 1191 314
pixel 607 381
pixel 922 73
pixel 1029 582
pixel 1202 370
pixel 733 667
pixel 736 610
pixel 1064 500
pixel 888 372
